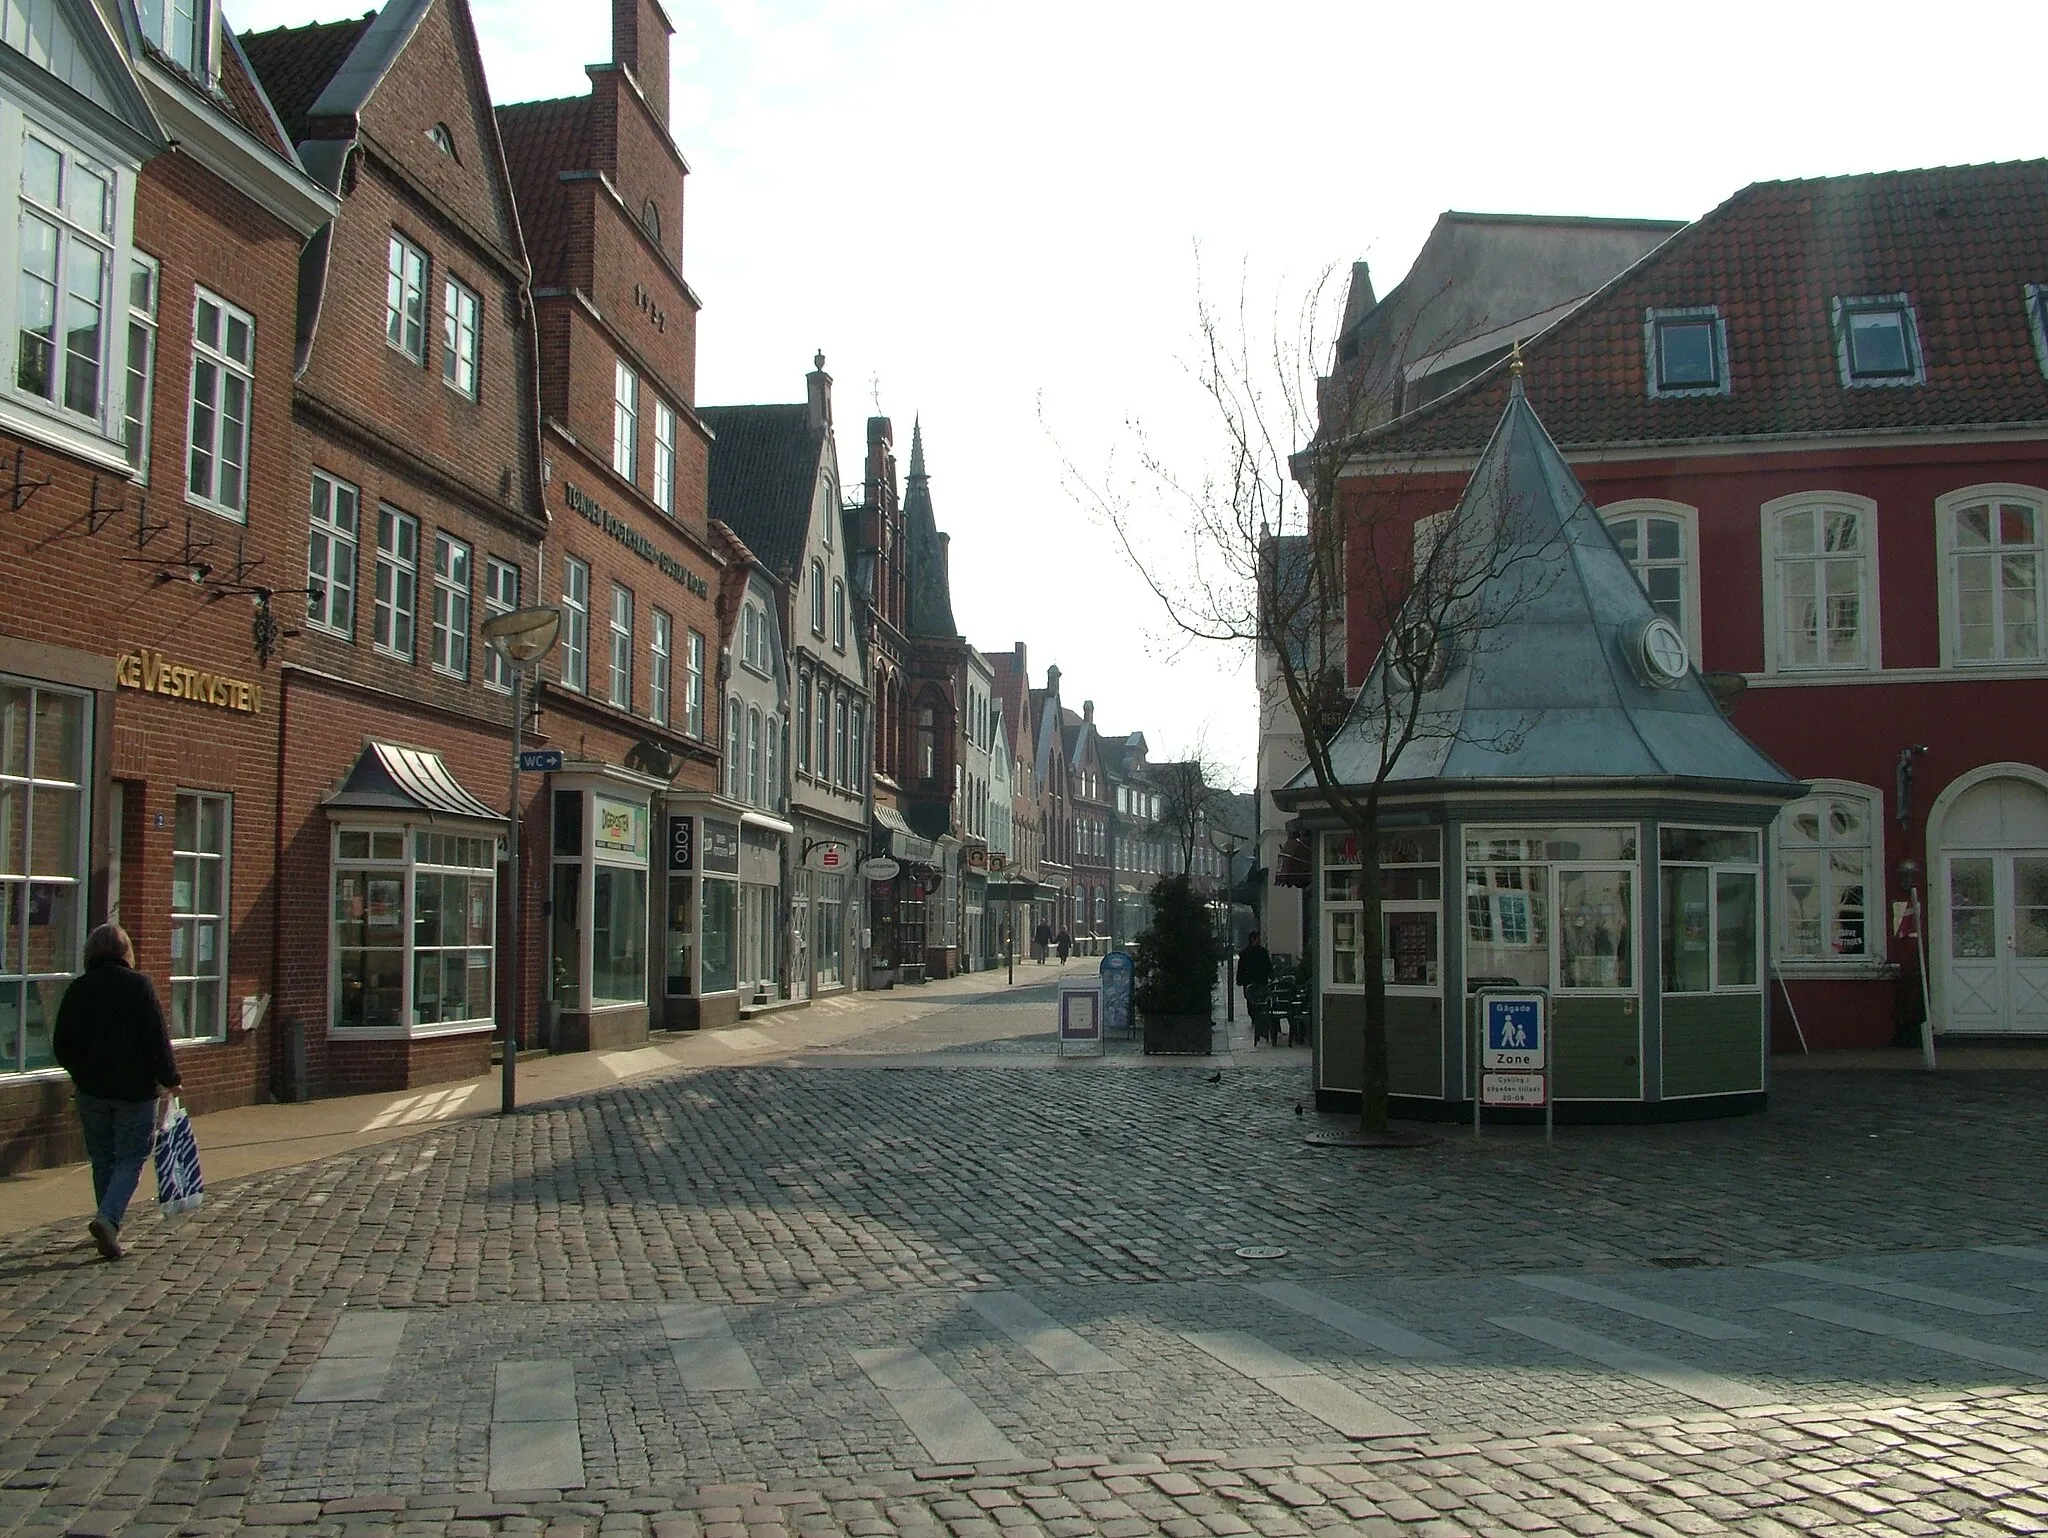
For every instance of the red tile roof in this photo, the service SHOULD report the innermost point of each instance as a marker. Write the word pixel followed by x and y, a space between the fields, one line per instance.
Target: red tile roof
pixel 243 98
pixel 296 63
pixel 1961 243
pixel 542 140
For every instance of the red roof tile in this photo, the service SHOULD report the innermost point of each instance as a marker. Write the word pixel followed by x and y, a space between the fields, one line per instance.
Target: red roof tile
pixel 542 140
pixel 294 64
pixel 1961 243
pixel 244 99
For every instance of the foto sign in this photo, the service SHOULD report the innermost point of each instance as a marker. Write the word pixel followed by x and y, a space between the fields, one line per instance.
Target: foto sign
pixel 540 761
pixel 1513 1034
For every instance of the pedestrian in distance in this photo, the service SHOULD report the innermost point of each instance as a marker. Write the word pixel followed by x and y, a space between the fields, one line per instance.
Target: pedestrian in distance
pixel 1066 944
pixel 1255 976
pixel 111 1038
pixel 1041 941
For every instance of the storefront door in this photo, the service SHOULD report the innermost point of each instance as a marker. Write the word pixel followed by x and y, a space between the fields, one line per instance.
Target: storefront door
pixel 1998 941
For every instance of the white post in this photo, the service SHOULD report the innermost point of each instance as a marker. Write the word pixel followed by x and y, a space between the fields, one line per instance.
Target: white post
pixel 508 1070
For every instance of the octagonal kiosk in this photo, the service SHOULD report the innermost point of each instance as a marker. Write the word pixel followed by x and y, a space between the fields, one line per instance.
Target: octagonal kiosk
pixel 1573 812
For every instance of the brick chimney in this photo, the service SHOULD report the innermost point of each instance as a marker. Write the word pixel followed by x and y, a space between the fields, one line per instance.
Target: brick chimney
pixel 640 41
pixel 819 384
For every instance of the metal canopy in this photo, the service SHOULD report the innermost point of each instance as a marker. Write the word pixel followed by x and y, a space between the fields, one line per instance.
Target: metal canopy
pixel 1548 695
pixel 388 778
pixel 900 839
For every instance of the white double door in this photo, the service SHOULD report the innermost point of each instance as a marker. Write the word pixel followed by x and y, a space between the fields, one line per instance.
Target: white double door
pixel 1997 903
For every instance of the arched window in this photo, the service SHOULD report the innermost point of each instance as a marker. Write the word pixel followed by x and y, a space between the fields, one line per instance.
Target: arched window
pixel 650 221
pixel 1820 583
pixel 1658 540
pixel 1827 854
pixel 754 757
pixel 817 598
pixel 927 745
pixel 732 748
pixel 1991 545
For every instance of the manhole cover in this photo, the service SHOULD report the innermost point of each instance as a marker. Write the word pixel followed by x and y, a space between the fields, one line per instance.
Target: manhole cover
pixel 1259 1252
pixel 1676 1262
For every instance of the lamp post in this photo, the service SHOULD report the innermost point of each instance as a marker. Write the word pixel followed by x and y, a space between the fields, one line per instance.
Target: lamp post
pixel 522 637
pixel 1225 843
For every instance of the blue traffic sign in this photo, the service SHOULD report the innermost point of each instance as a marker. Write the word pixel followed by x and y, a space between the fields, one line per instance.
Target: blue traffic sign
pixel 1513 1030
pixel 540 761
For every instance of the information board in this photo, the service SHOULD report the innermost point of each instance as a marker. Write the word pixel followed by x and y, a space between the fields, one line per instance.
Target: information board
pixel 1116 992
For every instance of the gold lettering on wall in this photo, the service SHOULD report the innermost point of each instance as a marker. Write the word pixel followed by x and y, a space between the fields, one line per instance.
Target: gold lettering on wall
pixel 152 672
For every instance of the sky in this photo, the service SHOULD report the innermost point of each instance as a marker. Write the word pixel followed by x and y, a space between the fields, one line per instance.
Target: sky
pixel 998 219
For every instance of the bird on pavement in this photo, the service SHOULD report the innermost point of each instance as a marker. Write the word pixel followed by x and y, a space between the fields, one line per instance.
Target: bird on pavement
pixel 1214 1078
pixel 1297 1108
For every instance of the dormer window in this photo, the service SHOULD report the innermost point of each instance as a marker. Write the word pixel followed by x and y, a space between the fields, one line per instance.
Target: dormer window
pixel 1687 351
pixel 178 30
pixel 2037 321
pixel 1877 341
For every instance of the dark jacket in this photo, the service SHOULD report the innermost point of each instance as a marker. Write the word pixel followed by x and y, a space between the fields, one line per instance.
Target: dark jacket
pixel 111 1037
pixel 1254 967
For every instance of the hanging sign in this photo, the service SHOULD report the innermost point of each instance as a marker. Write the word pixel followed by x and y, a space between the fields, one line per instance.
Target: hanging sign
pixel 881 868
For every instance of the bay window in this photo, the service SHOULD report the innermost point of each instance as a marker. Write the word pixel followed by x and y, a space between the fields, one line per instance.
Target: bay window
pixel 415 916
pixel 1711 910
pixel 1552 907
pixel 600 869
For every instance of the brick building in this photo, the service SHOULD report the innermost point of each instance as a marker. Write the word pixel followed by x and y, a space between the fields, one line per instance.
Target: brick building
pixel 153 239
pixel 631 693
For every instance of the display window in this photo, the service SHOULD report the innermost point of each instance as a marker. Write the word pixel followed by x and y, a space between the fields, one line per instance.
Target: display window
pixel 45 767
pixel 599 890
pixel 1411 911
pixel 1552 907
pixel 1713 935
pixel 415 923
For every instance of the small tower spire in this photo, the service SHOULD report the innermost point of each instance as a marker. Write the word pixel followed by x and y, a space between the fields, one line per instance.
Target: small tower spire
pixel 917 449
pixel 1515 366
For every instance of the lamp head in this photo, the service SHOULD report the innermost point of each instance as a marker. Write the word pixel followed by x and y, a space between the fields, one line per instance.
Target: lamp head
pixel 524 635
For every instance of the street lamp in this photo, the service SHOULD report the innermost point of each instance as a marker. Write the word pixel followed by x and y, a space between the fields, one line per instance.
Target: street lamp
pixel 1225 843
pixel 522 637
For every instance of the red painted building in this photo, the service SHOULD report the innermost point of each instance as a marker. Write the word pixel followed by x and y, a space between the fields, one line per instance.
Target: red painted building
pixel 1816 422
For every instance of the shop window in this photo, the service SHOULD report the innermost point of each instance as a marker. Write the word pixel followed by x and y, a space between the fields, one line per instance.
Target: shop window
pixel 223 384
pixel 1825 850
pixel 829 905
pixel 331 556
pixel 600 869
pixel 721 968
pixel 1711 940
pixel 1411 909
pixel 414 925
pixel 1552 907
pixel 44 757
pixel 200 846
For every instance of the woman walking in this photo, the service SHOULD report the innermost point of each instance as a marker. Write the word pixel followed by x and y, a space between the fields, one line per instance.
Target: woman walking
pixel 112 1040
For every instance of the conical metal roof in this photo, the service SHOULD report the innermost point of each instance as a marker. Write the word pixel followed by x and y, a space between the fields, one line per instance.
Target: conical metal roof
pixel 1547 687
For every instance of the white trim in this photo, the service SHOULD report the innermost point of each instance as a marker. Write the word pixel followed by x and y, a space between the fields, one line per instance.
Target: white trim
pixel 1844 305
pixel 1688 518
pixel 1946 506
pixel 411 1033
pixel 1654 319
pixel 1937 925
pixel 230 152
pixel 1870 617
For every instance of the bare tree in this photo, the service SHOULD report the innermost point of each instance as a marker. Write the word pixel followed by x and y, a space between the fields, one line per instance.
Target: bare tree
pixel 1272 550
pixel 1192 789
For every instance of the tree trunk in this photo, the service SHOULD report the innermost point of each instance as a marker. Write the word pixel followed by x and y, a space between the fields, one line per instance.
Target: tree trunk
pixel 1373 1075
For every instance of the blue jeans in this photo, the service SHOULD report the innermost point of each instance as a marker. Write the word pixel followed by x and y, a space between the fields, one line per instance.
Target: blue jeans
pixel 118 1136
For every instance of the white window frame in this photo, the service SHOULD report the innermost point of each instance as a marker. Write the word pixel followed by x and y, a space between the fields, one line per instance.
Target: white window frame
pixel 817 597
pixel 619 676
pixel 838 614
pixel 625 421
pixel 1688 520
pixel 140 372
pixel 501 596
pixel 406 270
pixel 69 232
pixel 693 685
pixel 1946 507
pixel 800 730
pixel 1654 321
pixel 1847 305
pixel 1774 618
pixel 754 756
pixel 462 309
pixel 660 660
pixel 735 744
pixel 453 564
pixel 664 455
pixel 1715 869
pixel 406 867
pixel 1875 916
pixel 212 439
pixel 166 24
pixel 575 624
pixel 189 921
pixel 398 584
pixel 335 539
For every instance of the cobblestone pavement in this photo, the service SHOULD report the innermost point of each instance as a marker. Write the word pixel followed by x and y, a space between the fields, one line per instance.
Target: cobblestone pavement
pixel 940 1281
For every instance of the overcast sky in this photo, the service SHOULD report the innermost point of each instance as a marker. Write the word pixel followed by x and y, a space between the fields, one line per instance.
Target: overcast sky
pixel 989 215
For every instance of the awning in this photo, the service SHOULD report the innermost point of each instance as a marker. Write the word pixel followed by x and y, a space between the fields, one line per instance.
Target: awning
pixel 763 820
pixel 1294 867
pixel 899 839
pixel 388 778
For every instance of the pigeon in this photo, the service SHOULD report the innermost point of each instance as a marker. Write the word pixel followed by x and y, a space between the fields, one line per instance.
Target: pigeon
pixel 1214 1078
pixel 1297 1108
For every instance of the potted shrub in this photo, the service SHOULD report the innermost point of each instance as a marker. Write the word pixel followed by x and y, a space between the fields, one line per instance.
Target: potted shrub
pixel 1173 976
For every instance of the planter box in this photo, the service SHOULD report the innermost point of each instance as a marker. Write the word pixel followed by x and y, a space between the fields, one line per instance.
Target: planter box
pixel 1188 1035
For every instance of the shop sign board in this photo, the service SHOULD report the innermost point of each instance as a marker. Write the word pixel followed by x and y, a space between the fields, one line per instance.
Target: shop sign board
pixel 829 856
pixel 152 672
pixel 619 827
pixel 682 843
pixel 881 868
pixel 1116 991
pixel 540 761
pixel 1080 1015
pixel 721 846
